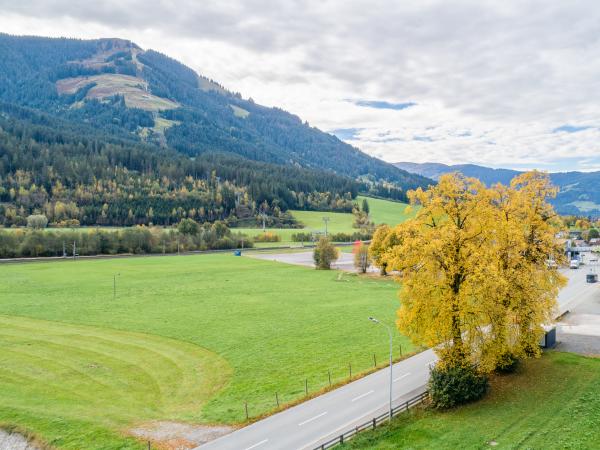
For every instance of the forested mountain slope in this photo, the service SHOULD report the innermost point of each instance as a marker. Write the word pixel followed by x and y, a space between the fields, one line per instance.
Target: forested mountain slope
pixel 122 135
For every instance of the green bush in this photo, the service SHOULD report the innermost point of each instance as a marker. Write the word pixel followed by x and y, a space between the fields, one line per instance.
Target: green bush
pixel 453 386
pixel 507 363
pixel 350 237
pixel 267 236
pixel 301 237
pixel 325 254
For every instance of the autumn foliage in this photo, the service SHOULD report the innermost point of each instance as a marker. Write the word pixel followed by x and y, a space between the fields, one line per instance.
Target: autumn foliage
pixel 473 268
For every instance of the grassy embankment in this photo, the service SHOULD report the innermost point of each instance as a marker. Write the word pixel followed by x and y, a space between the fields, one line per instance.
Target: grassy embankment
pixel 187 338
pixel 551 403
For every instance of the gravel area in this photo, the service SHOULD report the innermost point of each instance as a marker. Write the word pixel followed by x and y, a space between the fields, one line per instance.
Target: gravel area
pixel 14 441
pixel 178 436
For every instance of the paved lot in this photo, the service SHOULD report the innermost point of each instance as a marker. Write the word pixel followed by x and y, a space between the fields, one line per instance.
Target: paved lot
pixel 305 258
pixel 311 423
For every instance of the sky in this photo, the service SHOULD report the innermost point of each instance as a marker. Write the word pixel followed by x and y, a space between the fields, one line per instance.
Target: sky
pixel 511 84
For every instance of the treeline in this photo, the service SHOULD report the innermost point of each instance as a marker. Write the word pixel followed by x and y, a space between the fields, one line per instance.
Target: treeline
pixel 136 240
pixel 77 159
pixel 333 237
pixel 47 167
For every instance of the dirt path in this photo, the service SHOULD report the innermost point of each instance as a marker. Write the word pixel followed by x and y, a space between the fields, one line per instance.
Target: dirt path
pixel 178 436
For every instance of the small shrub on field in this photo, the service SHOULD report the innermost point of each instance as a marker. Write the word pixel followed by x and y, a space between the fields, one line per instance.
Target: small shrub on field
pixel 67 223
pixel 188 227
pixel 507 363
pixel 325 253
pixel 301 237
pixel 267 237
pixel 350 237
pixel 453 386
pixel 361 257
pixel 37 221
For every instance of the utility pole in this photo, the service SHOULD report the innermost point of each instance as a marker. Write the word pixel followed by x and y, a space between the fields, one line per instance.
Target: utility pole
pixel 389 330
pixel 325 219
pixel 115 285
pixel 64 250
pixel 74 249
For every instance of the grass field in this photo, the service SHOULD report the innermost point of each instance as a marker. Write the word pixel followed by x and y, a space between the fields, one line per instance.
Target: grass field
pixel 553 403
pixel 381 211
pixel 385 211
pixel 135 90
pixel 187 338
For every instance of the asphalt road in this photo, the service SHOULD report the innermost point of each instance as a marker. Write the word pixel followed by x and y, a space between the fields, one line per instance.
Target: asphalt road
pixel 579 330
pixel 309 424
pixel 316 421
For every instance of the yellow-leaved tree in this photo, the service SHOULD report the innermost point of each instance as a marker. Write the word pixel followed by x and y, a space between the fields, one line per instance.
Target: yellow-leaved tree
pixel 472 263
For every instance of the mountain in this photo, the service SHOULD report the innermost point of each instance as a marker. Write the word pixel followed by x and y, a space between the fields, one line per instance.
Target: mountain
pixel 579 192
pixel 108 101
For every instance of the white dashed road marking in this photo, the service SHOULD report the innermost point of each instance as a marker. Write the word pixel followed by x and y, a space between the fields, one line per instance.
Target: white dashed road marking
pixel 361 396
pixel 311 419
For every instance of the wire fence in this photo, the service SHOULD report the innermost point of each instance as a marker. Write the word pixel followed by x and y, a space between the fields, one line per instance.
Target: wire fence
pixel 316 384
pixel 374 422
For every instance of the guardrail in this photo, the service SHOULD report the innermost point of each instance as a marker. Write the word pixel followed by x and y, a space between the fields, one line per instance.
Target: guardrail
pixel 372 424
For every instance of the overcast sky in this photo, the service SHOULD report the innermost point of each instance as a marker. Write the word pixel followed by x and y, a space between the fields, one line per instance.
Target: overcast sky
pixel 501 83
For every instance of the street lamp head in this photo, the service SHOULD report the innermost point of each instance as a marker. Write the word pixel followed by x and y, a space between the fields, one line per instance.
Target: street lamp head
pixel 373 319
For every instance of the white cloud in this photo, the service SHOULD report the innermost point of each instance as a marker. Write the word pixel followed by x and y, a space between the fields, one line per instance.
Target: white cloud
pixel 491 80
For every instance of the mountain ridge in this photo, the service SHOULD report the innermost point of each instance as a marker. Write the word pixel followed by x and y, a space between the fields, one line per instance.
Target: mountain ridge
pixel 579 192
pixel 83 122
pixel 195 114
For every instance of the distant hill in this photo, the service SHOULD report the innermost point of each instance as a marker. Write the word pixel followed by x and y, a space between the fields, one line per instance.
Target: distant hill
pixel 579 191
pixel 74 100
pixel 162 101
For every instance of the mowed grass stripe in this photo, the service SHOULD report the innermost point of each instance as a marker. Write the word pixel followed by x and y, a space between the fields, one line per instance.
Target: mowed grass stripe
pixel 54 371
pixel 102 347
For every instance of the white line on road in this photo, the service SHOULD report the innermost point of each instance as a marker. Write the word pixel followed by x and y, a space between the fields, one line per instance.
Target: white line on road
pixel 401 376
pixel 257 444
pixel 311 419
pixel 361 396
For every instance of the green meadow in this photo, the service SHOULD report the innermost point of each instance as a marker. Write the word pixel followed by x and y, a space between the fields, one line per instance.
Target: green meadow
pixel 550 403
pixel 381 211
pixel 188 338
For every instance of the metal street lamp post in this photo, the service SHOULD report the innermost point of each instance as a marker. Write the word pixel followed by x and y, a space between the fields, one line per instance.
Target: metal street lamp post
pixel 389 330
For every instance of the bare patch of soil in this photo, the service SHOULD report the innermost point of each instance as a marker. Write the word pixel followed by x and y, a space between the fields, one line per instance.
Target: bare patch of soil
pixel 15 441
pixel 177 435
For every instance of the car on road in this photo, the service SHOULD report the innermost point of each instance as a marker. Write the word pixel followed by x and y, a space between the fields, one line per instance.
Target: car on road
pixel 574 264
